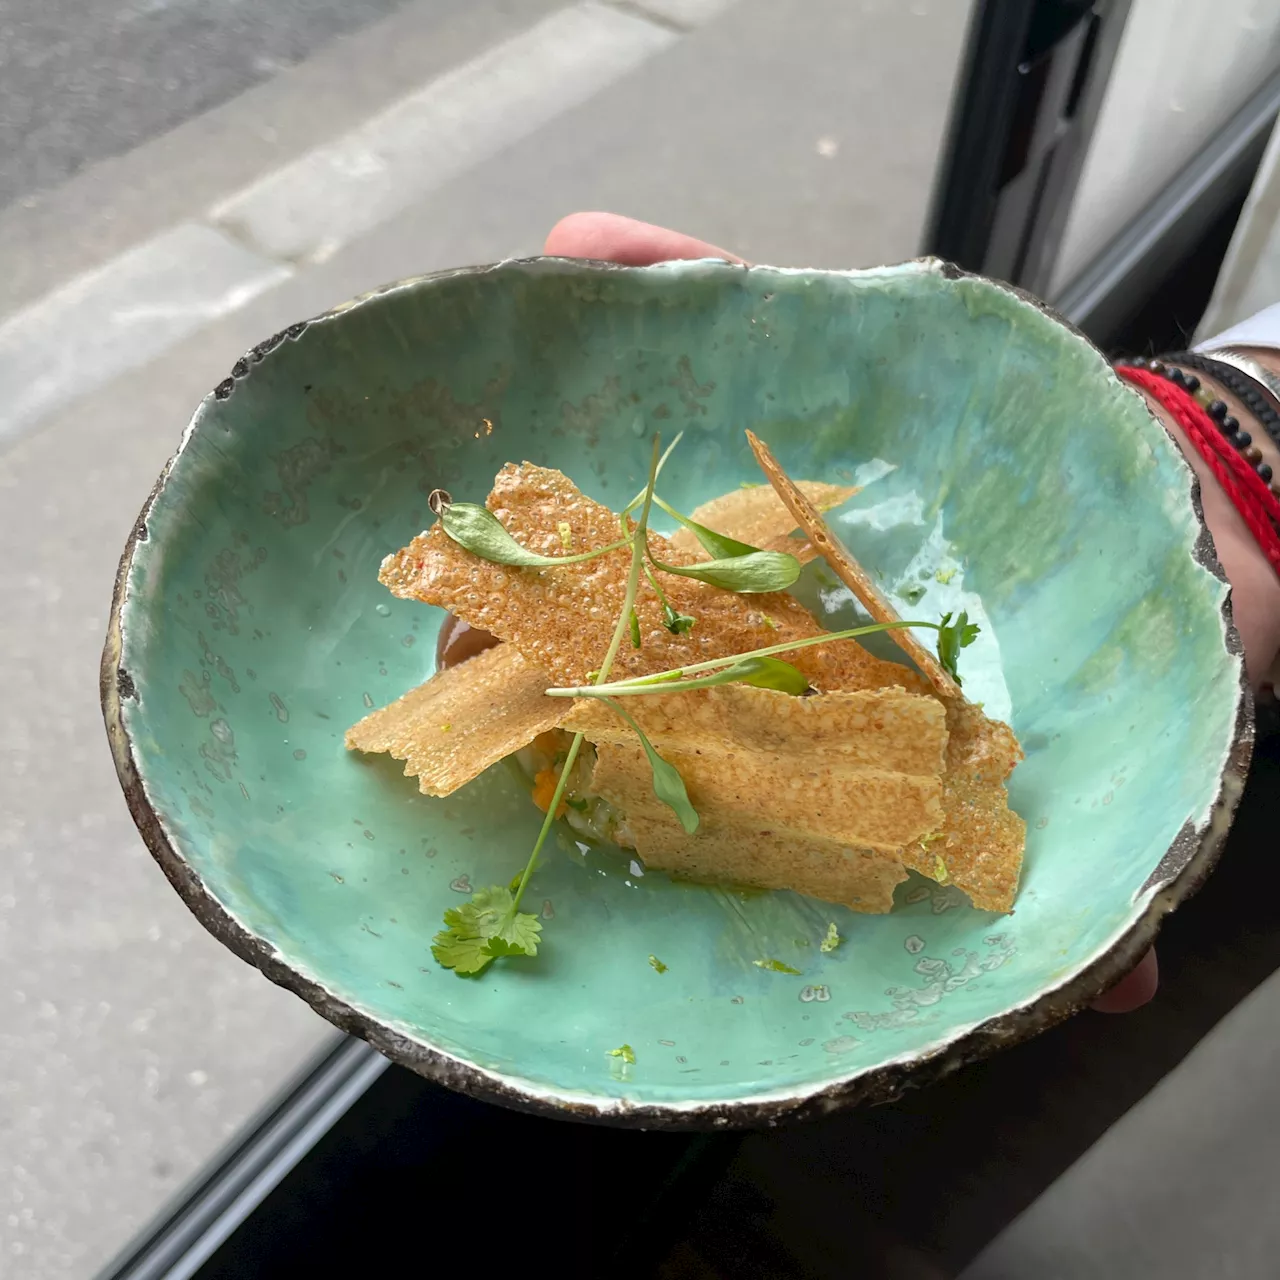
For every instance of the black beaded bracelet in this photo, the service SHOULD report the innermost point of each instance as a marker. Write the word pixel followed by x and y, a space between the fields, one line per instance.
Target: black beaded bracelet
pixel 1215 408
pixel 1243 387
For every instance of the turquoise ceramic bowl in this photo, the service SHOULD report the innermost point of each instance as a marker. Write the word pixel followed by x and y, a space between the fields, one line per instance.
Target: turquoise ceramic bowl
pixel 1004 469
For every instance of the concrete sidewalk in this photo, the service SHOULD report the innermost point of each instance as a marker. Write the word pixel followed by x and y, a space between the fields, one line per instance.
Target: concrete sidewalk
pixel 131 1044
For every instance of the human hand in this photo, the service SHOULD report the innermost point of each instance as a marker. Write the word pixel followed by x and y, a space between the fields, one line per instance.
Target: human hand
pixel 609 237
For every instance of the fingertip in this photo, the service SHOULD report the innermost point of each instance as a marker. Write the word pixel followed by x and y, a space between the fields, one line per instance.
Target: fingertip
pixel 578 235
pixel 1136 988
pixel 609 237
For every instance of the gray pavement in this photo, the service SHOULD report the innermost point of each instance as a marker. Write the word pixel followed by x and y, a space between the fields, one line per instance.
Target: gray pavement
pixel 131 1044
pixel 81 80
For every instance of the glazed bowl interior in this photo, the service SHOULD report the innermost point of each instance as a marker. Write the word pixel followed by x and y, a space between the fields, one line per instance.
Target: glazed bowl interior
pixel 1003 469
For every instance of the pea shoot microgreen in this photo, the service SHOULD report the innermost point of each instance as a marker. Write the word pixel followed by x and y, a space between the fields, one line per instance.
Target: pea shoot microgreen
pixel 479 531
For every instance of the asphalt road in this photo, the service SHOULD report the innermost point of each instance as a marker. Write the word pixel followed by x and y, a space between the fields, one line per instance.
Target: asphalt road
pixel 83 80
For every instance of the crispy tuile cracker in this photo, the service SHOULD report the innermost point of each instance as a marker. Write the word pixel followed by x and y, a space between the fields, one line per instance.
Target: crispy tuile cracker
pixel 885 729
pixel 981 840
pixel 562 619
pixel 758 516
pixel 860 808
pixel 737 849
pixel 848 570
pixel 462 720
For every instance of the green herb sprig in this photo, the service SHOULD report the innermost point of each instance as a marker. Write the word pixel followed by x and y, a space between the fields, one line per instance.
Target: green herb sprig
pixel 491 924
pixel 741 667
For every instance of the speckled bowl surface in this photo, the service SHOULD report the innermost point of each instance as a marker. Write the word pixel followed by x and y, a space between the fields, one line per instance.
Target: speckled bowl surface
pixel 1003 470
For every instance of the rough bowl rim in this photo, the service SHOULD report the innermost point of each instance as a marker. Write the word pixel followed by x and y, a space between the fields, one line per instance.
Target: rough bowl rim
pixel 1182 870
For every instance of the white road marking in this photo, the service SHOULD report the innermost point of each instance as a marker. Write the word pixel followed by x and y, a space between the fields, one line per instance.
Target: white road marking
pixel 329 196
pixel 120 316
pixel 137 305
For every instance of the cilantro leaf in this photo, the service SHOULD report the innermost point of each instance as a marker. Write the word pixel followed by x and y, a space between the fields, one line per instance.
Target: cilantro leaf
pixel 487 926
pixel 775 966
pixel 625 1052
pixel 461 946
pixel 952 637
pixel 518 935
pixel 832 940
pixel 657 964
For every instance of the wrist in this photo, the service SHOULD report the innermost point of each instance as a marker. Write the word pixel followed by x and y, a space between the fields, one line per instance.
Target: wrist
pixel 1255 584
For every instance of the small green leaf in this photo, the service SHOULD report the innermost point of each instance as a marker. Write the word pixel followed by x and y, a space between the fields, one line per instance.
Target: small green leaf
pixel 775 966
pixel 657 964
pixel 623 1051
pixel 676 623
pixel 952 637
pixel 465 954
pixel 668 785
pixel 719 545
pixel 749 484
pixel 479 531
pixel 767 673
pixel 486 927
pixel 635 630
pixel 517 935
pixel 832 940
pixel 580 805
pixel 763 673
pixel 746 574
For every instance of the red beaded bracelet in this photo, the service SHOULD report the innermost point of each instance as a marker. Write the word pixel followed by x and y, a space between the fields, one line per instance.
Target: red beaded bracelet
pixel 1250 494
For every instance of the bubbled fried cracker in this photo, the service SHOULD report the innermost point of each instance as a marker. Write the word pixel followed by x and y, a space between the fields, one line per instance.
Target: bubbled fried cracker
pixel 885 729
pixel 562 619
pixel 462 720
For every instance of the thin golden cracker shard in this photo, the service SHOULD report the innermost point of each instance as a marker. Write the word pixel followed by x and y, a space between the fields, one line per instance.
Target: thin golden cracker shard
pixel 848 570
pixel 758 517
pixel 886 729
pixel 737 855
pixel 981 840
pixel 562 619
pixel 462 720
pixel 865 808
pixel 734 848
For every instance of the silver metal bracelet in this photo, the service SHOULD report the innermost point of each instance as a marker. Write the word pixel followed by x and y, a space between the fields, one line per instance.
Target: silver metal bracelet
pixel 1242 360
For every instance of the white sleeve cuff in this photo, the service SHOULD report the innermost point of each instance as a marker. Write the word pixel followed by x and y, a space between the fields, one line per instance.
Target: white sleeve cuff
pixel 1262 330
